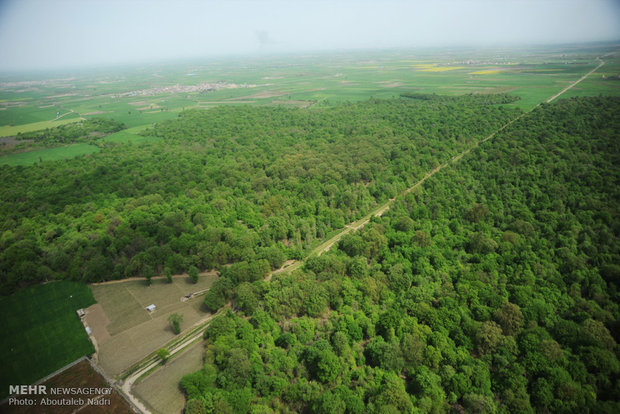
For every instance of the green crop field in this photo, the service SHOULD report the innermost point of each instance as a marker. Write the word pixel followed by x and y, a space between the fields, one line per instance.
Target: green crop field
pixel 143 96
pixel 48 154
pixel 41 331
pixel 8 130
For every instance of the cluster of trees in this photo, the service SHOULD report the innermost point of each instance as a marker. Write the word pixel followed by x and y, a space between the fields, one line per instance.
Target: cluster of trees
pixel 82 131
pixel 484 99
pixel 493 288
pixel 175 320
pixel 225 185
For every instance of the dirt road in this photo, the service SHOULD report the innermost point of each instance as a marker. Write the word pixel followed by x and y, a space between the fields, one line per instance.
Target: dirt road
pixel 151 363
pixel 577 81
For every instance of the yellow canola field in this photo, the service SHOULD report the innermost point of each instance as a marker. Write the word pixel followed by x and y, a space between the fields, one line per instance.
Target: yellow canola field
pixel 486 72
pixel 442 68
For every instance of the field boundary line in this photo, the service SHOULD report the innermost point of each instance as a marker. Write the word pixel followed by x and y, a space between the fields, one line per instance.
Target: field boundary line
pixel 113 384
pixel 154 278
pixel 53 374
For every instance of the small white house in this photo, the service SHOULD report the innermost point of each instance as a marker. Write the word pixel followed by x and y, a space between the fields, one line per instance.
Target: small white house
pixel 150 308
pixel 88 330
pixel 81 313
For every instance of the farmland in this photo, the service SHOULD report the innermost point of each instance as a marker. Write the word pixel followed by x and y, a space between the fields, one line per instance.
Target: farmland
pixel 81 375
pixel 41 331
pixel 149 94
pixel 6 131
pixel 125 331
pixel 160 390
pixel 287 152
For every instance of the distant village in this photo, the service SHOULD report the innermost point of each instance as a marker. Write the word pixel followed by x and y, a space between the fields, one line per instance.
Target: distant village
pixel 201 87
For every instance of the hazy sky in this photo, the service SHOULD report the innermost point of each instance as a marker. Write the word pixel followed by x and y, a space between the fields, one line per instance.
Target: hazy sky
pixel 57 34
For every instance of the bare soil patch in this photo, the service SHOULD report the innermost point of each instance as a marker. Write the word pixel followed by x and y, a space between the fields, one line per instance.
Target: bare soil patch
pixel 11 104
pixel 260 95
pixel 299 104
pixel 133 332
pixel 139 103
pixel 81 375
pixel 98 322
pixel 392 84
pixel 9 142
pixel 225 102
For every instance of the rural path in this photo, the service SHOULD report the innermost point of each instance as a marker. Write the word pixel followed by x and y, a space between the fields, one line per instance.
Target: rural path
pixel 377 212
pixel 71 111
pixel 129 279
pixel 577 81
pixel 151 363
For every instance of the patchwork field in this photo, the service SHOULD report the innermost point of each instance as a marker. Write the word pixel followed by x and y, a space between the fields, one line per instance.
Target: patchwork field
pixel 41 331
pixel 125 331
pixel 164 91
pixel 81 375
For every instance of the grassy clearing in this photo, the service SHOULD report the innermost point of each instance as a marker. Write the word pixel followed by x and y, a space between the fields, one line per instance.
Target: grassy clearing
pixel 161 388
pixel 48 154
pixel 134 332
pixel 8 131
pixel 41 331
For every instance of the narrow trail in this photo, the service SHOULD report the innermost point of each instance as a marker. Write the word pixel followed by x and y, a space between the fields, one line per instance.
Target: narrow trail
pixel 577 81
pixel 71 111
pixel 151 363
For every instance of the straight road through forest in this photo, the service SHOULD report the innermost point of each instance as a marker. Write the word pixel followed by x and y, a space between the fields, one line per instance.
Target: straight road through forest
pixel 151 363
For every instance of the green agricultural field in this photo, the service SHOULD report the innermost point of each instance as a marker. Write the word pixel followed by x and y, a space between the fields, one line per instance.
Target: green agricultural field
pixel 48 154
pixel 41 331
pixel 22 111
pixel 143 96
pixel 8 130
pixel 605 81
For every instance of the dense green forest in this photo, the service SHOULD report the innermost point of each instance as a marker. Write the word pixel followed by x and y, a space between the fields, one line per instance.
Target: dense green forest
pixel 225 185
pixel 480 99
pixel 493 288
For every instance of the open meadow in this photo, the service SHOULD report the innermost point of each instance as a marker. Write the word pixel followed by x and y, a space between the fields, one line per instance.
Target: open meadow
pixel 160 390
